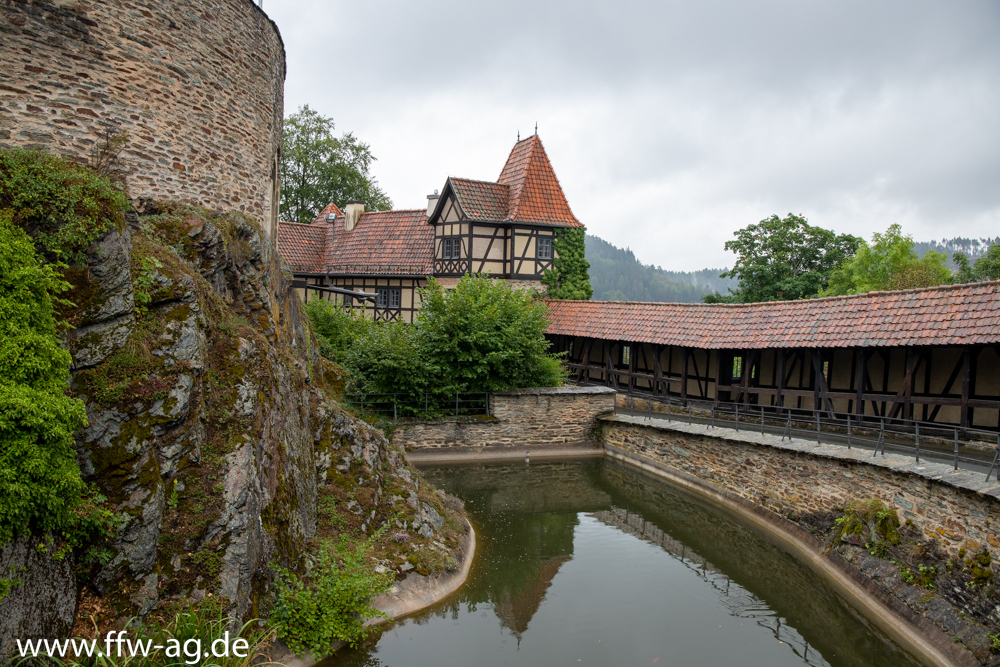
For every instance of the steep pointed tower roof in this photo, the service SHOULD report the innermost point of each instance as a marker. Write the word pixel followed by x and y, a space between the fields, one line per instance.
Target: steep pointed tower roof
pixel 535 195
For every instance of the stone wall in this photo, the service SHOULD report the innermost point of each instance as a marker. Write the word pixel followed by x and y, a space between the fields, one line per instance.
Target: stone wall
pixel 555 416
pixel 798 478
pixel 197 84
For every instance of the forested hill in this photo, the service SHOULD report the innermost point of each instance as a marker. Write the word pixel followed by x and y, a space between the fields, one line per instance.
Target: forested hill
pixel 616 275
pixel 971 248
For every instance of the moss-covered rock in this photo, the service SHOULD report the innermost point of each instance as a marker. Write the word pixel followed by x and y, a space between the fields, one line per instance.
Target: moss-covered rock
pixel 214 427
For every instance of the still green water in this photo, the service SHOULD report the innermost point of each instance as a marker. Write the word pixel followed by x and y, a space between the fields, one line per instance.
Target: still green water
pixel 591 563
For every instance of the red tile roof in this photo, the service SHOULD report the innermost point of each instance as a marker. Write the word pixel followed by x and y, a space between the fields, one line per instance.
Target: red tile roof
pixel 535 194
pixel 947 315
pixel 383 243
pixel 386 243
pixel 481 200
pixel 329 208
pixel 527 191
pixel 302 246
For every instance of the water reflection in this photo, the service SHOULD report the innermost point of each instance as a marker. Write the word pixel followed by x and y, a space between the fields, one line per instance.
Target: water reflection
pixel 592 563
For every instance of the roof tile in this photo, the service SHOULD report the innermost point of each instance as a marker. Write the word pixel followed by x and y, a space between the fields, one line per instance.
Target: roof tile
pixel 872 319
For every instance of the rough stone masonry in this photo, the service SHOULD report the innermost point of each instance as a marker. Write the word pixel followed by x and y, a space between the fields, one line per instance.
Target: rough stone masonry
pixel 543 417
pixel 796 478
pixel 197 84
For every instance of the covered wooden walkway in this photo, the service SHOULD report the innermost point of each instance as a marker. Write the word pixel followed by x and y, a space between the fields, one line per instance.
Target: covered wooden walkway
pixel 930 355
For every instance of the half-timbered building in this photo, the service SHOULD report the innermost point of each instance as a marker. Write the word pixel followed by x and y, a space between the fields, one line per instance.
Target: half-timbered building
pixel 931 355
pixel 505 229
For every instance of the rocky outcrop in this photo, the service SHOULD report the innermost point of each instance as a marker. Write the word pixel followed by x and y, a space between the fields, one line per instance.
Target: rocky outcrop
pixel 211 424
pixel 213 431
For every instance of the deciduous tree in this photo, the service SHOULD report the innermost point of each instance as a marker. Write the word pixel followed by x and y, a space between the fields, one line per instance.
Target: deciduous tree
pixel 318 168
pixel 986 267
pixel 784 259
pixel 889 263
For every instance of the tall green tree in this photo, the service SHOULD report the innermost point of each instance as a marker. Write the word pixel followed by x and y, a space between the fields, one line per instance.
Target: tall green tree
pixel 784 259
pixel 318 168
pixel 569 279
pixel 985 268
pixel 889 263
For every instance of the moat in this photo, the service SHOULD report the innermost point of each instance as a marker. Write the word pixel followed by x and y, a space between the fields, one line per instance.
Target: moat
pixel 591 563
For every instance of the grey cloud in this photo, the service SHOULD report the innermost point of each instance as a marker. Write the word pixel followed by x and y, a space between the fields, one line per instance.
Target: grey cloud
pixel 707 116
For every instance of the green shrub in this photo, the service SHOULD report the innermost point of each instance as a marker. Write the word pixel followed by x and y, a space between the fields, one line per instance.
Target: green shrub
pixel 40 483
pixel 481 336
pixel 332 603
pixel 336 327
pixel 484 335
pixel 387 357
pixel 62 205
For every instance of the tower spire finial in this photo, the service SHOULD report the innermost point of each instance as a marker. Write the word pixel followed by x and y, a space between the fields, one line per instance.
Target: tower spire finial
pixel 519 135
pixel 536 128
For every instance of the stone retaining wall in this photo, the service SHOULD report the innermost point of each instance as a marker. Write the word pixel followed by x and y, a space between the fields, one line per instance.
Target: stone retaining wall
pixel 546 417
pixel 198 85
pixel 797 478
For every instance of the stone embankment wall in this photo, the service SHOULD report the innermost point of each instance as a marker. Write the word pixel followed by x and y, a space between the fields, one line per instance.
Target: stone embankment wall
pixel 797 478
pixel 197 84
pixel 546 417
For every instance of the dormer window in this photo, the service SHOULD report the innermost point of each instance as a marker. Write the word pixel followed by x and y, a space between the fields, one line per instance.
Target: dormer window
pixel 451 249
pixel 544 248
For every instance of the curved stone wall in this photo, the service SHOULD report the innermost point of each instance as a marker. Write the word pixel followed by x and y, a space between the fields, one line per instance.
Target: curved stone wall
pixel 197 84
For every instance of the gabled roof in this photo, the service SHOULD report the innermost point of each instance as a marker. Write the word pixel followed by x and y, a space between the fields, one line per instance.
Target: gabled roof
pixel 535 195
pixel 527 191
pixel 946 315
pixel 481 200
pixel 302 246
pixel 383 243
pixel 329 208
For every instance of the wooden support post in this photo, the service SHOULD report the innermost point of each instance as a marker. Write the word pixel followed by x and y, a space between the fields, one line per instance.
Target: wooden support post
pixel 657 369
pixel 631 364
pixel 966 385
pixel 779 400
pixel 718 371
pixel 859 401
pixel 684 373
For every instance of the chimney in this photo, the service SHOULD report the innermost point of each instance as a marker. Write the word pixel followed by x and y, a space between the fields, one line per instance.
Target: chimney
pixel 432 202
pixel 352 212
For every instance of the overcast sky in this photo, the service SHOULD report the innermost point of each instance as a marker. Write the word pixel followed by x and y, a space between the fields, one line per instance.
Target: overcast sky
pixel 672 124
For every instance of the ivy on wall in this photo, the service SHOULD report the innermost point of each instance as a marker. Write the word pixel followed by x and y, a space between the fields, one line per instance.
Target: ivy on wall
pixel 569 279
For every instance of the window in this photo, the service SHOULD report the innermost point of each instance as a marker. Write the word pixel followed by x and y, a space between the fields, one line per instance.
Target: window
pixel 382 297
pixel 394 298
pixel 737 367
pixel 544 248
pixel 626 354
pixel 451 249
pixel 348 301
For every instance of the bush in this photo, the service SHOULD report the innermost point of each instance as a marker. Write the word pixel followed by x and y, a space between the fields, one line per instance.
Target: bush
pixel 63 206
pixel 336 327
pixel 485 336
pixel 40 483
pixel 481 336
pixel 332 604
pixel 387 358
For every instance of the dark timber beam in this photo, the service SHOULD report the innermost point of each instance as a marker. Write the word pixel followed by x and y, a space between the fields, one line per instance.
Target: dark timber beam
pixel 684 373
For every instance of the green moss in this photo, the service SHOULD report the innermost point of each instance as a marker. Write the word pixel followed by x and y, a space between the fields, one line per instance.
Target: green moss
pixel 874 521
